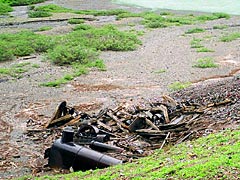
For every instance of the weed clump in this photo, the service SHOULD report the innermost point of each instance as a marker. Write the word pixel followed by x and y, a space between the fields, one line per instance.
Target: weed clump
pixel 207 62
pixel 75 21
pixel 230 37
pixel 195 30
pixel 5 8
pixel 176 86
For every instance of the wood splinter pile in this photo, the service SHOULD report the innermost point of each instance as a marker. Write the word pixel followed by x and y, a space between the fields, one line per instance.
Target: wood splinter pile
pixel 136 129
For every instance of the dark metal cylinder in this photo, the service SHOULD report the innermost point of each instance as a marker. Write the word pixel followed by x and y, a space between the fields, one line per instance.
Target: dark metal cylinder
pixel 67 135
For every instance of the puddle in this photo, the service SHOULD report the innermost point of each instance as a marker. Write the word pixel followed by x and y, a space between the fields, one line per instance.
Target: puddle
pixel 226 6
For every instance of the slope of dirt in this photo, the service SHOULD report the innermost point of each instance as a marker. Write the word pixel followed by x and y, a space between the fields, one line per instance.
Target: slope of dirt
pixel 130 76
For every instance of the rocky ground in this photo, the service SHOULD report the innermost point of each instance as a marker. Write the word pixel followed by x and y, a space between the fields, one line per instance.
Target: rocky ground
pixel 130 76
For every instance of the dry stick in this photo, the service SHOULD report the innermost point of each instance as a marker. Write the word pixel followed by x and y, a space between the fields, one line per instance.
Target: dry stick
pixel 73 121
pixel 104 125
pixel 184 138
pixel 165 113
pixel 170 100
pixel 165 140
pixel 120 124
pixel 68 117
pixel 151 124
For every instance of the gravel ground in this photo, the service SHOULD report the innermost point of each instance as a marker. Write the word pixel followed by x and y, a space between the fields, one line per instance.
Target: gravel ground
pixel 129 76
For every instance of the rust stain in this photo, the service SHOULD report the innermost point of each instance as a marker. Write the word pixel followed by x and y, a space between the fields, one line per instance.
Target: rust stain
pixel 232 73
pixel 100 87
pixel 88 106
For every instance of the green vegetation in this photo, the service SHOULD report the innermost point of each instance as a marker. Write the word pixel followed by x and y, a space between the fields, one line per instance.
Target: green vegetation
pixel 230 37
pixel 45 28
pixel 213 16
pixel 5 8
pixel 195 43
pixel 150 19
pixel 153 20
pixel 204 49
pixel 75 21
pixel 22 44
pixel 79 48
pixel 5 5
pixel 21 2
pixel 38 14
pixel 220 27
pixel 216 156
pixel 207 62
pixel 195 30
pixel 160 71
pixel 176 86
pixel 15 70
pixel 35 65
pixel 78 70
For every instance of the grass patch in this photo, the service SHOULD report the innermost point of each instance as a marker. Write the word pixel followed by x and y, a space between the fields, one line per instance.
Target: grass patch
pixel 160 71
pixel 16 70
pixel 150 19
pixel 213 16
pixel 211 157
pixel 195 30
pixel 230 37
pixel 75 21
pixel 35 65
pixel 23 44
pixel 78 70
pixel 38 14
pixel 81 47
pixel 45 28
pixel 176 86
pixel 204 49
pixel 207 62
pixel 22 2
pixel 5 8
pixel 220 27
pixel 196 43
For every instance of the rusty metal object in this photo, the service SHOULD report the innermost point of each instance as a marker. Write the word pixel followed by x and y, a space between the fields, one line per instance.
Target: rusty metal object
pixel 65 154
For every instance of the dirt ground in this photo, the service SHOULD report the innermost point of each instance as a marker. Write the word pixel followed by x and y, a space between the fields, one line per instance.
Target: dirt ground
pixel 130 76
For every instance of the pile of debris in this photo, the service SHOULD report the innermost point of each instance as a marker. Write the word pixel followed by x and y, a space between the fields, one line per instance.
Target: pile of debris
pixel 130 130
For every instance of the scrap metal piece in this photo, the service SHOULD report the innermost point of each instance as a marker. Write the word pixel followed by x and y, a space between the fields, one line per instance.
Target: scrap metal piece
pixel 66 154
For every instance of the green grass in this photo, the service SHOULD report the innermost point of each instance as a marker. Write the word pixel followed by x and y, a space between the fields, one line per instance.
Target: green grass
pixel 204 49
pixel 45 28
pixel 195 30
pixel 5 8
pixel 207 62
pixel 196 43
pixel 39 14
pixel 220 27
pixel 21 2
pixel 176 86
pixel 78 70
pixel 75 21
pixel 35 65
pixel 230 37
pixel 216 156
pixel 150 19
pixel 81 47
pixel 160 71
pixel 15 70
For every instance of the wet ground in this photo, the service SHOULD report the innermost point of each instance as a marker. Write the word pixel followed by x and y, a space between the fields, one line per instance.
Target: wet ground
pixel 130 76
